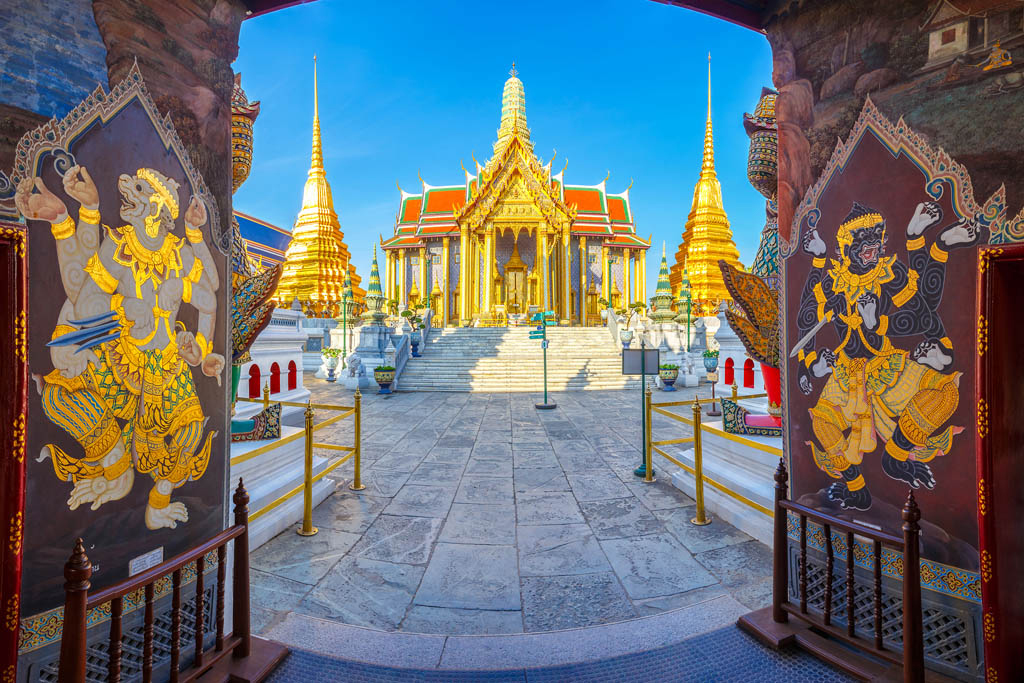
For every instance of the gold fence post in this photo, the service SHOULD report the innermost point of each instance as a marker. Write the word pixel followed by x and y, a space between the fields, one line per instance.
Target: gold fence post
pixel 357 481
pixel 698 468
pixel 307 528
pixel 735 391
pixel 266 396
pixel 648 465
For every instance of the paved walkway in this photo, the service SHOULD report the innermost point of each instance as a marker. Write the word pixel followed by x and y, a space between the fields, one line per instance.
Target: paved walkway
pixel 483 515
pixel 722 655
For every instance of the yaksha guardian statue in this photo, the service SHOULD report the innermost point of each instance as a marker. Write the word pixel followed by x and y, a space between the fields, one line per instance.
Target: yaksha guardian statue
pixel 876 390
pixel 122 383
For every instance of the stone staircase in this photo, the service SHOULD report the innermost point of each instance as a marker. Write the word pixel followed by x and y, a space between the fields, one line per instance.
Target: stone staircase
pixel 502 359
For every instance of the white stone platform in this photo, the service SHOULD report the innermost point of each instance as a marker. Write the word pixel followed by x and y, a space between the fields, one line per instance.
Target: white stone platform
pixel 271 475
pixel 740 468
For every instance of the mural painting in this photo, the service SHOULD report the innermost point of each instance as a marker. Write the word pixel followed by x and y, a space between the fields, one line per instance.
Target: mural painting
pixel 883 263
pixel 127 416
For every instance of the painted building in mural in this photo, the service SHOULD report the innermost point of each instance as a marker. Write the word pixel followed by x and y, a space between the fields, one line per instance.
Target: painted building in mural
pixel 514 238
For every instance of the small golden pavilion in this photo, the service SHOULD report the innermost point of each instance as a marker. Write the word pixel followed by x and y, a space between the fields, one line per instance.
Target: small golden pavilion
pixel 317 257
pixel 706 236
pixel 530 241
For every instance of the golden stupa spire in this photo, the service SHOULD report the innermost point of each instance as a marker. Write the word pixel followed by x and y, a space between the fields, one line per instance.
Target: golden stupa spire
pixel 707 237
pixel 317 259
pixel 317 161
pixel 513 113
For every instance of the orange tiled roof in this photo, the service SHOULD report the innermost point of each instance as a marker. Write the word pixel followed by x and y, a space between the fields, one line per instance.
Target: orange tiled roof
pixel 585 199
pixel 443 201
pixel 411 210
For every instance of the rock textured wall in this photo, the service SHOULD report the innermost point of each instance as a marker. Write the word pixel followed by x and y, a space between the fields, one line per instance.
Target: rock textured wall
pixel 184 49
pixel 52 55
pixel 830 56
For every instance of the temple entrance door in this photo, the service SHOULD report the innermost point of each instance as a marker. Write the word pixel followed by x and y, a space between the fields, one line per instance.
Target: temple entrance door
pixel 13 377
pixel 1001 461
pixel 515 283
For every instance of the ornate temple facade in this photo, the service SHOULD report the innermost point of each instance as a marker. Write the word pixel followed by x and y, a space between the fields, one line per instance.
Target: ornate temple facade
pixel 514 238
pixel 707 238
pixel 317 257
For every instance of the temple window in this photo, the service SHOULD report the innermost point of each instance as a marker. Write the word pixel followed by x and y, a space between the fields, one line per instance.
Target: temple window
pixel 948 36
pixel 748 374
pixel 275 379
pixel 293 375
pixel 254 381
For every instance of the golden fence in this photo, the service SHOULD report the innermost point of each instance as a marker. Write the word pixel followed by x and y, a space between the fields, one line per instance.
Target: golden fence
pixel 308 479
pixel 698 467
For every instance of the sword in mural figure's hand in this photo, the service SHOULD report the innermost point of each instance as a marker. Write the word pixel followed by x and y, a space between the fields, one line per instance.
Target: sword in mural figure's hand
pixel 810 335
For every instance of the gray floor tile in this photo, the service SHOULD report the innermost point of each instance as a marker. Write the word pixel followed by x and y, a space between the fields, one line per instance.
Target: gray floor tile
pixel 424 500
pixel 347 510
pixel 699 539
pixel 620 518
pixel 448 621
pixel 302 558
pixel 559 549
pixel 485 490
pixel 480 524
pixel 559 602
pixel 600 486
pixel 540 479
pixel 406 540
pixel 364 592
pixel 547 508
pixel 471 576
pixel 655 565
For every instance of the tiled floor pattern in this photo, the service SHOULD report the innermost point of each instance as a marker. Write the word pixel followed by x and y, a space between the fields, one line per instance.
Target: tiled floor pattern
pixel 483 515
pixel 721 656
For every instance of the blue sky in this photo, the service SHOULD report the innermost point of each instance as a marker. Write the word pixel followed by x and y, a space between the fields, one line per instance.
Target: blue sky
pixel 415 87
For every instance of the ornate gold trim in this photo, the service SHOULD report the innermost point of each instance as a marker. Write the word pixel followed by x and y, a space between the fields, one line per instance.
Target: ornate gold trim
pixel 982 418
pixel 986 566
pixel 989 627
pixel 982 335
pixel 14 537
pixel 982 498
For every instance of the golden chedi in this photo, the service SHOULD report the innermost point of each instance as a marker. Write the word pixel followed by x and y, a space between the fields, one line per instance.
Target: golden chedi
pixel 317 258
pixel 707 238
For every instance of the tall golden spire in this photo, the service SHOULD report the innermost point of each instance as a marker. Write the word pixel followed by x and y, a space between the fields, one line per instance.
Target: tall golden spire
pixel 707 237
pixel 317 162
pixel 317 258
pixel 513 113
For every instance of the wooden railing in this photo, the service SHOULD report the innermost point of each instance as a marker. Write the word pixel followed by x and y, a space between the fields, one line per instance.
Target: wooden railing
pixel 912 659
pixel 78 602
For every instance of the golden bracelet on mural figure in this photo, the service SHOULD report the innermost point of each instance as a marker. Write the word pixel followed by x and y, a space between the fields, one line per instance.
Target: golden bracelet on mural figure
pixel 916 243
pixel 64 229
pixel 204 346
pixel 90 216
pixel 937 253
pixel 194 235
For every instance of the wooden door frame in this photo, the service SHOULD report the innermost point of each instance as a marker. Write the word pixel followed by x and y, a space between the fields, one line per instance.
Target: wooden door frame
pixel 13 407
pixel 996 646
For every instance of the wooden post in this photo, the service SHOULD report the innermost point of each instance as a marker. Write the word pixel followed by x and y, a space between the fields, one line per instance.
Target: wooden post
pixel 240 580
pixel 77 572
pixel 913 637
pixel 780 559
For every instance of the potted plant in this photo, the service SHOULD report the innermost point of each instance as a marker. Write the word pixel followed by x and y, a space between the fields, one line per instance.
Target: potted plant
pixel 668 373
pixel 603 303
pixel 416 322
pixel 625 334
pixel 384 375
pixel 710 360
pixel 331 356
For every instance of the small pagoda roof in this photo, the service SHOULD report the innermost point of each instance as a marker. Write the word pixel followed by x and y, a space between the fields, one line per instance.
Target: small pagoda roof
pixel 951 11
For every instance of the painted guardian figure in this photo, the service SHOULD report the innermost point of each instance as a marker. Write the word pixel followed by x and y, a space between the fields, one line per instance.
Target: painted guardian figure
pixel 122 383
pixel 873 389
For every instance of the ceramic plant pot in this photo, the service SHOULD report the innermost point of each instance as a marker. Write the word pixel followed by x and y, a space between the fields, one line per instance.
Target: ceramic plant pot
pixel 384 378
pixel 668 378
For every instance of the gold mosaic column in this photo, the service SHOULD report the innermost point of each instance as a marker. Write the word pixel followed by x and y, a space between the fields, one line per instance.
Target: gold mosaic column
pixel 424 291
pixel 643 276
pixel 566 277
pixel 584 267
pixel 488 260
pixel 463 246
pixel 445 280
pixel 543 256
pixel 606 284
pixel 403 301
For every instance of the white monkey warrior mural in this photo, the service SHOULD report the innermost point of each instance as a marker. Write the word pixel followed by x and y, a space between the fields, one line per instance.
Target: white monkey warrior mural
pixel 122 383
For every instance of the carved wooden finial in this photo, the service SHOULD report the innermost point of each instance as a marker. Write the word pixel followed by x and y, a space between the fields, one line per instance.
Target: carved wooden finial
pixel 78 569
pixel 911 512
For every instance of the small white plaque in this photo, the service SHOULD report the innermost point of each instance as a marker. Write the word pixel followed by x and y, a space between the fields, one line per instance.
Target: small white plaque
pixel 147 561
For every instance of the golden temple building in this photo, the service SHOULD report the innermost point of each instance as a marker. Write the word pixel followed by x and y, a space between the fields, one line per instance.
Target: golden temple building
pixel 316 258
pixel 706 236
pixel 513 239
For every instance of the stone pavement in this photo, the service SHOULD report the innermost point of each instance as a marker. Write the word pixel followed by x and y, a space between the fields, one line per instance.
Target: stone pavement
pixel 483 515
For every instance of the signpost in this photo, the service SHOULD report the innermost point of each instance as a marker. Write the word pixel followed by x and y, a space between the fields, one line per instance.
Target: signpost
pixel 643 362
pixel 543 320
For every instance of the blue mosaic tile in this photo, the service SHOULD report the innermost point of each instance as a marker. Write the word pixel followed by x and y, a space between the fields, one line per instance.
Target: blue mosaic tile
pixel 724 655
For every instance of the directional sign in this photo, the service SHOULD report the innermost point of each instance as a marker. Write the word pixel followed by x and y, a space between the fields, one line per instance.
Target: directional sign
pixel 544 344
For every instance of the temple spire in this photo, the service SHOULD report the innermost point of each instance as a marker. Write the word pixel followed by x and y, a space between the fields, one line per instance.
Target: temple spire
pixel 708 164
pixel 513 113
pixel 317 162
